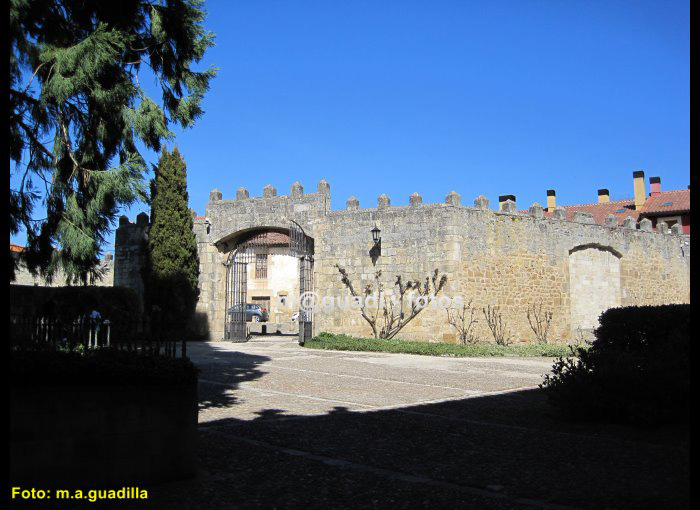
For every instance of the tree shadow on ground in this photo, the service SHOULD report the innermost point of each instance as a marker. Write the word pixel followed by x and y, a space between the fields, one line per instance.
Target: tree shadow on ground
pixel 223 373
pixel 512 446
pixel 509 450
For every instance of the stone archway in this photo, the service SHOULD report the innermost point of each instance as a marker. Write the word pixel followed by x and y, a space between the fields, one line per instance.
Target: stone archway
pixel 594 284
pixel 266 269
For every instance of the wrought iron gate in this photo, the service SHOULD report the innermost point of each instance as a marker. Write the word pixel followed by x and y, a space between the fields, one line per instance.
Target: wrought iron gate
pixel 245 252
pixel 301 246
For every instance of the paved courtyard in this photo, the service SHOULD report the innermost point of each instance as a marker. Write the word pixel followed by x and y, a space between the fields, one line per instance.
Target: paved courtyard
pixel 284 427
pixel 274 376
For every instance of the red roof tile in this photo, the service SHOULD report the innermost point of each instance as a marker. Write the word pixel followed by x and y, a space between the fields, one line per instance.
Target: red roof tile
pixel 621 209
pixel 15 248
pixel 679 201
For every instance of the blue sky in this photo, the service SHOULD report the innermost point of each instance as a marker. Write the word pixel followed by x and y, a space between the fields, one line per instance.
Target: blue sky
pixel 480 97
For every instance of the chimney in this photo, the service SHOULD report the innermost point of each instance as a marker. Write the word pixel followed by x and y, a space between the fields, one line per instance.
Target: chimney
pixel 502 199
pixel 655 186
pixel 640 193
pixel 551 199
pixel 603 196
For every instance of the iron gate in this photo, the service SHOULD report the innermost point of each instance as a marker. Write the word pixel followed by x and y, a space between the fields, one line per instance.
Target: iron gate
pixel 301 246
pixel 237 266
pixel 244 253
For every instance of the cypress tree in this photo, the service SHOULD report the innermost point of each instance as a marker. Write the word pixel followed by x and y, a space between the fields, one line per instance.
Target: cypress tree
pixel 173 264
pixel 77 112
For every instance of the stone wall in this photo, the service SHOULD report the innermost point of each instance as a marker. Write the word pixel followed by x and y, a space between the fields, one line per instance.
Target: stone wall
pixel 24 277
pixel 504 258
pixel 130 245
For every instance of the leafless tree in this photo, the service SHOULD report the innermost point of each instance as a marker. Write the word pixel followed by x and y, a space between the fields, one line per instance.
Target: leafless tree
pixel 540 321
pixel 464 322
pixel 392 313
pixel 494 318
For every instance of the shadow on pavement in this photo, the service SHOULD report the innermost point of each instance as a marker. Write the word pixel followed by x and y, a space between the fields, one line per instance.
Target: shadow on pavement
pixel 501 451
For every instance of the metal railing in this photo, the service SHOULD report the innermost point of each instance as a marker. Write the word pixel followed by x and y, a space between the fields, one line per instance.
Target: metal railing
pixel 133 335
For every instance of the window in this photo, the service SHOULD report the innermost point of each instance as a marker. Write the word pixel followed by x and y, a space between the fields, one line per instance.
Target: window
pixel 261 265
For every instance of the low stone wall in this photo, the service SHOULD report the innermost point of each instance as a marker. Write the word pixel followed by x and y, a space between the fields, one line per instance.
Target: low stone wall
pixel 102 437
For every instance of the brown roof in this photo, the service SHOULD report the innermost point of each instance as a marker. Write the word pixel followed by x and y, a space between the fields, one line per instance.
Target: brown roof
pixel 15 248
pixel 268 238
pixel 667 202
pixel 621 209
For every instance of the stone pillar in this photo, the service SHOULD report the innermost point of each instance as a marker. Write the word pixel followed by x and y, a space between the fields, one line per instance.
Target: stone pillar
pixel 502 200
pixel 269 191
pixel 536 211
pixel 481 203
pixel 629 223
pixel 415 200
pixel 242 194
pixel 215 195
pixel 297 190
pixel 352 204
pixel 677 229
pixel 559 213
pixel 645 225
pixel 662 227
pixel 123 220
pixel 383 201
pixel 611 221
pixel 453 198
pixel 324 188
pixel 509 207
pixel 142 219
pixel 583 217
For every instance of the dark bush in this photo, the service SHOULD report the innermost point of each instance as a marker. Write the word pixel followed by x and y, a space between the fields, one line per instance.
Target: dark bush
pixel 636 371
pixel 118 304
pixel 98 367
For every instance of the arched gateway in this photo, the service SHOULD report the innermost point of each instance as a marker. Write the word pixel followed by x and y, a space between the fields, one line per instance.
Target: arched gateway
pixel 268 272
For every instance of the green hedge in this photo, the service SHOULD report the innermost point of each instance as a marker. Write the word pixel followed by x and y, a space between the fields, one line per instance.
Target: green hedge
pixel 637 370
pixel 98 367
pixel 346 343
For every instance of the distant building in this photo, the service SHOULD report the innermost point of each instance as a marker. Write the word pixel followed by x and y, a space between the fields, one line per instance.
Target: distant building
pixel 24 277
pixel 671 207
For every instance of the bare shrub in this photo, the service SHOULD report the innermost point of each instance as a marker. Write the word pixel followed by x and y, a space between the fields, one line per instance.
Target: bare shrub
pixel 540 321
pixel 392 313
pixel 464 322
pixel 494 319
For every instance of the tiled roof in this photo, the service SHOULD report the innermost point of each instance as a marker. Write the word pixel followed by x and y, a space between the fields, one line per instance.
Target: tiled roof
pixel 621 209
pixel 15 248
pixel 677 201
pixel 269 239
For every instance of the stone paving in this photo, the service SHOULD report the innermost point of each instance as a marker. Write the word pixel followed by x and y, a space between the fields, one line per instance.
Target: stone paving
pixel 243 381
pixel 283 427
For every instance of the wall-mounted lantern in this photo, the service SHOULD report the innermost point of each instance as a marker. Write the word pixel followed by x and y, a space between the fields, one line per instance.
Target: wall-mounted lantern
pixel 375 234
pixel 376 250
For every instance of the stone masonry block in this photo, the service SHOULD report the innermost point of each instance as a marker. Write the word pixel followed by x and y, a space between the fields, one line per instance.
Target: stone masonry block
pixel 415 200
pixel 269 191
pixel 536 211
pixel 481 203
pixel 453 198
